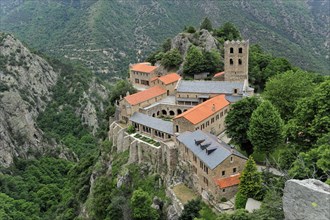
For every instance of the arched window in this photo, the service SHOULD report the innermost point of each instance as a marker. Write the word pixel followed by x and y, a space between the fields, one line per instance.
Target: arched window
pixel 231 61
pixel 239 61
pixel 240 50
pixel 231 50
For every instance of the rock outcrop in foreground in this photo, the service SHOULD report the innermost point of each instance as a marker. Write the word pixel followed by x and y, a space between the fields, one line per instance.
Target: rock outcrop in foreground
pixel 306 199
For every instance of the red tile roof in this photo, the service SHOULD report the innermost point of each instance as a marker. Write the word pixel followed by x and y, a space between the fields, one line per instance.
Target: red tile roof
pixel 169 78
pixel 145 95
pixel 153 79
pixel 143 67
pixel 229 181
pixel 204 110
pixel 218 74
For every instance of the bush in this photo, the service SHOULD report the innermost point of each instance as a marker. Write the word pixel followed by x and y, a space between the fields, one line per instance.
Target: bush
pixel 130 129
pixel 223 199
pixel 240 201
pixel 191 29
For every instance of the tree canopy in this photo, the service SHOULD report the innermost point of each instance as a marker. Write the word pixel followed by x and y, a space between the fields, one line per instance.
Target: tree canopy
pixel 265 128
pixel 238 120
pixel 194 61
pixel 285 90
pixel 172 59
pixel 228 31
pixel 206 24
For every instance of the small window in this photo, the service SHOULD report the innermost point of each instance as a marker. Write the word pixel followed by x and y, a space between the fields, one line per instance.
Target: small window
pixel 223 190
pixel 234 170
pixel 235 91
pixel 186 150
pixel 240 50
pixel 206 181
pixel 231 50
pixel 231 61
pixel 239 61
pixel 201 164
pixel 195 158
pixel 177 128
pixel 223 173
pixel 231 159
pixel 206 169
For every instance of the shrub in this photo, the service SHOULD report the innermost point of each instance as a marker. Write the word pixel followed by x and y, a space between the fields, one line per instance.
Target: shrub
pixel 130 129
pixel 223 199
pixel 240 201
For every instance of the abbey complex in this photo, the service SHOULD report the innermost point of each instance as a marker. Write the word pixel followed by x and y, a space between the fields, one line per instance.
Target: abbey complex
pixel 186 117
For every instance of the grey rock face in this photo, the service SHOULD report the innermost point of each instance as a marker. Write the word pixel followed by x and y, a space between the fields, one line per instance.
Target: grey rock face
pixel 26 80
pixel 306 199
pixel 202 39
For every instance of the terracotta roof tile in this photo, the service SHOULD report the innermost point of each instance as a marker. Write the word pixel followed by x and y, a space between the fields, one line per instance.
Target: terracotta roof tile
pixel 143 67
pixel 219 74
pixel 145 95
pixel 169 78
pixel 153 79
pixel 229 181
pixel 205 109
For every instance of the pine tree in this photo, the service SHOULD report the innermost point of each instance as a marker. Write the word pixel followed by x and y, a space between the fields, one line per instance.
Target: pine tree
pixel 250 185
pixel 206 24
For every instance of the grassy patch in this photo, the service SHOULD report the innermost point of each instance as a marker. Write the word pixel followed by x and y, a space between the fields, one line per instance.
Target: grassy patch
pixel 183 193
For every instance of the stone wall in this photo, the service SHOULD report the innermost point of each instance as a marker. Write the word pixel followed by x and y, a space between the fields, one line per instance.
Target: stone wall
pixel 162 159
pixel 306 199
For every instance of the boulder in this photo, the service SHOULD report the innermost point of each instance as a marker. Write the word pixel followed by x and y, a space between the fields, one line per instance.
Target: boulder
pixel 306 199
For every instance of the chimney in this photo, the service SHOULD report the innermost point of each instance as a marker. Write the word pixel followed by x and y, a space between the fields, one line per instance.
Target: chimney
pixel 213 107
pixel 127 93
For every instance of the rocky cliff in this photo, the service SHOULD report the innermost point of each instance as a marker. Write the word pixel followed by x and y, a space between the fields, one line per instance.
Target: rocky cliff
pixel 29 86
pixel 25 83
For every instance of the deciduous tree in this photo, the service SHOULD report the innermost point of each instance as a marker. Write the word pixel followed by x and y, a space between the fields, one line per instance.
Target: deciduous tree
pixel 285 90
pixel 238 120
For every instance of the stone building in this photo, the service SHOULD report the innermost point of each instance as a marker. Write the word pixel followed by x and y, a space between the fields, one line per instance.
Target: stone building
pixel 236 61
pixel 153 127
pixel 213 165
pixel 140 74
pixel 167 82
pixel 197 91
pixel 208 116
pixel 132 103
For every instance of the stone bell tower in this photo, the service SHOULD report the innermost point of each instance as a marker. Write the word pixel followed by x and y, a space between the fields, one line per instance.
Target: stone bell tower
pixel 236 60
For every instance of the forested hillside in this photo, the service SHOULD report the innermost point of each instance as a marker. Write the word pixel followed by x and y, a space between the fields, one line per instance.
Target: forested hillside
pixel 107 35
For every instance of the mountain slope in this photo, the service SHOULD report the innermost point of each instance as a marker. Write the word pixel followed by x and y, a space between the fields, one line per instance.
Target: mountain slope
pixel 25 81
pixel 107 35
pixel 43 104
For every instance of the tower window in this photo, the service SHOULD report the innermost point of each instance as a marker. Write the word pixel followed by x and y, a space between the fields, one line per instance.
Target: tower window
pixel 240 50
pixel 239 61
pixel 231 50
pixel 231 61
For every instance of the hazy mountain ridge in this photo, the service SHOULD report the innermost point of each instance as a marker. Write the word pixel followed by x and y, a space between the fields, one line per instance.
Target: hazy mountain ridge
pixel 107 35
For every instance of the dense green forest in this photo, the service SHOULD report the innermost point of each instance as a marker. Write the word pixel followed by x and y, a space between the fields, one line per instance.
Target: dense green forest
pixel 108 35
pixel 85 183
